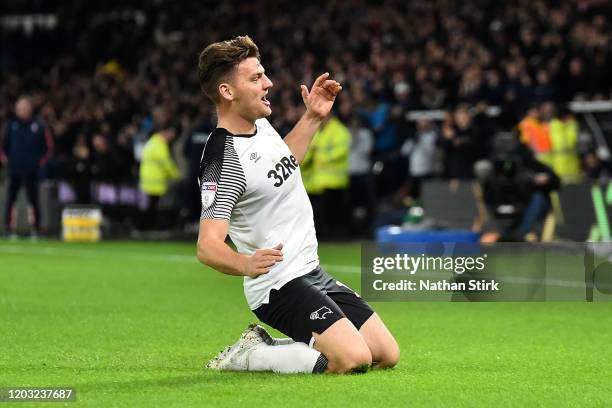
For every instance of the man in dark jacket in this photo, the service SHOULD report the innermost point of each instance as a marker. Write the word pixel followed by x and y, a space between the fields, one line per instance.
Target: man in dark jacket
pixel 516 186
pixel 26 145
pixel 192 151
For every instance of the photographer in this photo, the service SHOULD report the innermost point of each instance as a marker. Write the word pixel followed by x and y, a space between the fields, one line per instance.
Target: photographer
pixel 516 188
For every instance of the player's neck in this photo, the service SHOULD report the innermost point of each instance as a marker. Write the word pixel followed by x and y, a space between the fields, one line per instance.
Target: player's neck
pixel 235 123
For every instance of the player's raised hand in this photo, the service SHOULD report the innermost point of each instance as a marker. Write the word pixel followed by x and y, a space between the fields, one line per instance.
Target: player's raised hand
pixel 262 260
pixel 320 99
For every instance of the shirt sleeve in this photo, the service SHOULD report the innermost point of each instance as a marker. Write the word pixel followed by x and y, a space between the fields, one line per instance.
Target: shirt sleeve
pixel 222 179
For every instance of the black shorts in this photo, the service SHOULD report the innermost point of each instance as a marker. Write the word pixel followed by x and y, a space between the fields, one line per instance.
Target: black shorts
pixel 312 303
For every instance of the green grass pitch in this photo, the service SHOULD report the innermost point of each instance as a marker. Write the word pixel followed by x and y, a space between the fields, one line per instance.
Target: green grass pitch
pixel 131 324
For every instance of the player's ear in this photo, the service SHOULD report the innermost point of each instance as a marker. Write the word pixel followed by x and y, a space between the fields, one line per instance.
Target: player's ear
pixel 226 91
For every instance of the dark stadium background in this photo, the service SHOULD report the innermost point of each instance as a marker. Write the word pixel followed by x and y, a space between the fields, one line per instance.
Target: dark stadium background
pixel 98 71
pixel 131 320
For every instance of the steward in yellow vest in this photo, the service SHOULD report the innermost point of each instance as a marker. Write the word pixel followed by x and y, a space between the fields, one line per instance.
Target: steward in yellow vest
pixel 564 140
pixel 326 166
pixel 157 168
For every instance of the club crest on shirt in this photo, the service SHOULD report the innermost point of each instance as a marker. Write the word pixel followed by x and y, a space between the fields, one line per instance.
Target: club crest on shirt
pixel 255 157
pixel 209 190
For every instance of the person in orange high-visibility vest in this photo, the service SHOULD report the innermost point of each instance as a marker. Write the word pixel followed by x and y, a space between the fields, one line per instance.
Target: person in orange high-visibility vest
pixel 535 133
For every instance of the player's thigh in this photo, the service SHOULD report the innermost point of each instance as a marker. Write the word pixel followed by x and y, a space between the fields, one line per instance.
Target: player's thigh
pixel 352 305
pixel 299 309
pixel 385 350
pixel 343 346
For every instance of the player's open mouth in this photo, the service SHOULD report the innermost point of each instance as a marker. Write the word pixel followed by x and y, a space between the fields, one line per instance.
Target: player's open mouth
pixel 265 101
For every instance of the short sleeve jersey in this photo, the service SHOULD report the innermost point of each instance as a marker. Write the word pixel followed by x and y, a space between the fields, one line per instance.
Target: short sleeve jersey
pixel 254 181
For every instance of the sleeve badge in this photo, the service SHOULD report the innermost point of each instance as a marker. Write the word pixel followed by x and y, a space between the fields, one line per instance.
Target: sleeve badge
pixel 209 191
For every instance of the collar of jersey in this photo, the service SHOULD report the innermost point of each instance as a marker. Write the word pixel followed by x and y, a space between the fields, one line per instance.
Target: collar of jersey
pixel 238 135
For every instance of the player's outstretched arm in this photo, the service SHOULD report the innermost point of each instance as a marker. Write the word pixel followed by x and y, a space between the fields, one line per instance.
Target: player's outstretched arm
pixel 318 101
pixel 214 252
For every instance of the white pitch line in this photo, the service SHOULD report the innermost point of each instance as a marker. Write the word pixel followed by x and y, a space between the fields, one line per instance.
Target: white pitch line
pixel 139 256
pixel 87 253
pixel 157 257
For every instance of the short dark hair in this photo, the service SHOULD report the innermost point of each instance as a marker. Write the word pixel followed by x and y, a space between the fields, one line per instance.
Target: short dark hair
pixel 219 60
pixel 161 118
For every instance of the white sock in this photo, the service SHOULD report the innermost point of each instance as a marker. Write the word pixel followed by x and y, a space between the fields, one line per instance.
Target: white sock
pixel 287 358
pixel 280 342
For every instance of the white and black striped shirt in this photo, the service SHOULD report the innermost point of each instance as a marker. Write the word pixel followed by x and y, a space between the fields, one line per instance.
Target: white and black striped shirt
pixel 255 182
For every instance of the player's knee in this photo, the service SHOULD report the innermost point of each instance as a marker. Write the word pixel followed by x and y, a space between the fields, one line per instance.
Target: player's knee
pixel 390 356
pixel 359 360
pixel 353 360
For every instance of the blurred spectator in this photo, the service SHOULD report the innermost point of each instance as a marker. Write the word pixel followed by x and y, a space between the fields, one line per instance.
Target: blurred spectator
pixel 157 170
pixel 361 191
pixel 574 80
pixel 594 167
pixel 516 188
pixel 421 151
pixel 564 139
pixel 192 150
pixel 543 90
pixel 77 170
pixel 326 176
pixel 535 132
pixel 494 93
pixel 26 144
pixel 377 116
pixel 108 164
pixel 461 141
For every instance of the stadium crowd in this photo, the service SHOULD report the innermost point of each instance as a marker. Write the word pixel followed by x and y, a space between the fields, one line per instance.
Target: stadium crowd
pixel 96 78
